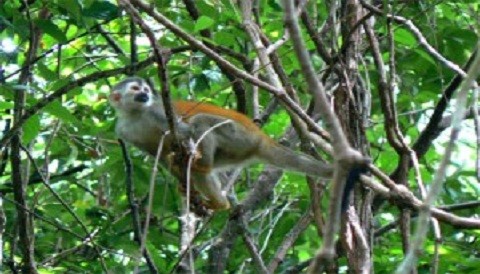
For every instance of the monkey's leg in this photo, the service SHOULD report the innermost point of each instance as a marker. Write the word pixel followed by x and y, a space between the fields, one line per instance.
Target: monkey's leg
pixel 208 185
pixel 204 178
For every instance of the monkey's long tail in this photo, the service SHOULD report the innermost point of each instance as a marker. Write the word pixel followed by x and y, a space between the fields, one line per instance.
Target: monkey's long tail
pixel 286 158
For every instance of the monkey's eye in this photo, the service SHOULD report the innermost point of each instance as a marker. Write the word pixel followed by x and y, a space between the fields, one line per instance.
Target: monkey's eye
pixel 146 90
pixel 135 88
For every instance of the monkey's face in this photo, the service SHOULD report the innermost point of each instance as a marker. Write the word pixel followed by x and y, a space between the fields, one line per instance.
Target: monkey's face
pixel 131 94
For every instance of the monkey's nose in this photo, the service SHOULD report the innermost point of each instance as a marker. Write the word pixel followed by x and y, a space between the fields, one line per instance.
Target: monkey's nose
pixel 141 97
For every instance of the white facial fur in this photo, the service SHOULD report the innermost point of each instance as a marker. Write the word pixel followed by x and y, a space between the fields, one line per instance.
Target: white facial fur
pixel 124 93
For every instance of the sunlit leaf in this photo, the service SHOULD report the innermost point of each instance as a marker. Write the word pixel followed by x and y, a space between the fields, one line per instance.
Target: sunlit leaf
pixel 101 10
pixel 203 22
pixel 31 128
pixel 56 109
pixel 51 29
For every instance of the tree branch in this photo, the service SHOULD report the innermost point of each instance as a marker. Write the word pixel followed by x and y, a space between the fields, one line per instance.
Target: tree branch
pixel 137 227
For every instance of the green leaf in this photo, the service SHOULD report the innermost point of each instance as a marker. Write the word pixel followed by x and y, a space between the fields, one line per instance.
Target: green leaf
pixel 46 73
pixel 101 10
pixel 52 30
pixel 71 7
pixel 203 22
pixel 274 5
pixel 31 128
pixel 7 91
pixel 6 105
pixel 200 83
pixel 224 38
pixel 59 111
pixel 207 8
pixel 404 37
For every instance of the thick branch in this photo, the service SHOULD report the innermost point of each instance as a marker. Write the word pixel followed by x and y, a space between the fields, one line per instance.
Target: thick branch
pixel 344 155
pixel 25 222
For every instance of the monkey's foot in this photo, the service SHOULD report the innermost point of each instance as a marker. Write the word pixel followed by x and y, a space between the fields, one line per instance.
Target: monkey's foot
pixel 216 205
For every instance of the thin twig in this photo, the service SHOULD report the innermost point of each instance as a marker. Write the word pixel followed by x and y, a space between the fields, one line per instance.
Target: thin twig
pixel 251 246
pixel 476 121
pixel 435 187
pixel 401 195
pixel 420 38
pixel 151 191
pixel 65 205
pixel 289 240
pixel 129 187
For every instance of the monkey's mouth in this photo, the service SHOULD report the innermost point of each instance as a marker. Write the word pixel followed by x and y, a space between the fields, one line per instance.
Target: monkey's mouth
pixel 141 97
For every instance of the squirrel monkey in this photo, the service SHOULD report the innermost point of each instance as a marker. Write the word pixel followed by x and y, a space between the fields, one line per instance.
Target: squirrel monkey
pixel 142 122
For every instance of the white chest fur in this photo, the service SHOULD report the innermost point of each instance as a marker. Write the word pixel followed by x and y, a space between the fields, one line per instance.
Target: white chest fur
pixel 140 130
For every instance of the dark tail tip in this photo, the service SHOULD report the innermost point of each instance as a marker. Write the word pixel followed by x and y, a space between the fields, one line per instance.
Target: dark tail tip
pixel 352 178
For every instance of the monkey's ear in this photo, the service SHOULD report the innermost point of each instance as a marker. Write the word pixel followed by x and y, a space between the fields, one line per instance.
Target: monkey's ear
pixel 115 96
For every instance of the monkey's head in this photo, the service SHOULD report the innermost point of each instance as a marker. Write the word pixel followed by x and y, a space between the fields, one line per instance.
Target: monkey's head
pixel 131 94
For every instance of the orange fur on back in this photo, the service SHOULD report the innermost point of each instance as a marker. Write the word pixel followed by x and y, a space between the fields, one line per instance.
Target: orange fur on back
pixel 188 109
